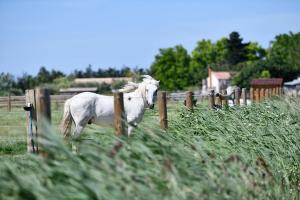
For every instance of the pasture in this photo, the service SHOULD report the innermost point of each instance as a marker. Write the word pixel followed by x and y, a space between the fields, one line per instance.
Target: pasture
pixel 250 152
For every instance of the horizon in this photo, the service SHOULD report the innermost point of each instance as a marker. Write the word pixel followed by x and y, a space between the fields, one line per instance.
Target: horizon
pixel 68 35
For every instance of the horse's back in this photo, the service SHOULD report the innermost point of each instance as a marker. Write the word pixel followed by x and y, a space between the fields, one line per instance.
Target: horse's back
pixel 83 98
pixel 87 99
pixel 93 107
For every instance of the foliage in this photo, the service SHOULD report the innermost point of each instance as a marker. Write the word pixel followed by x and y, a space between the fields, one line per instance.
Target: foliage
pixel 265 74
pixel 101 88
pixel 109 72
pixel 249 71
pixel 6 83
pixel 55 80
pixel 26 82
pixel 226 54
pixel 237 51
pixel 255 52
pixel 45 76
pixel 284 54
pixel 63 82
pixel 238 153
pixel 221 52
pixel 171 67
pixel 282 60
pixel 207 54
pixel 118 85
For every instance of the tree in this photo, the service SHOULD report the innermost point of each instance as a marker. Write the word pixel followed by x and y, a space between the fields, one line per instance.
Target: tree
pixel 62 82
pixel 237 51
pixel 43 76
pixel 221 52
pixel 88 72
pixel 56 74
pixel 112 72
pixel 78 74
pixel 207 54
pixel 265 74
pixel 255 52
pixel 203 55
pixel 125 72
pixel 249 71
pixel 6 83
pixel 284 54
pixel 26 82
pixel 171 67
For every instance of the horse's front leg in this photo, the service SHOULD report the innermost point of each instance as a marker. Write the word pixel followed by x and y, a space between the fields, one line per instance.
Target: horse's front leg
pixel 131 126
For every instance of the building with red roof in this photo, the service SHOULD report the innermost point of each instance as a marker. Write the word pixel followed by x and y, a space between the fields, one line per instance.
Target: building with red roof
pixel 218 80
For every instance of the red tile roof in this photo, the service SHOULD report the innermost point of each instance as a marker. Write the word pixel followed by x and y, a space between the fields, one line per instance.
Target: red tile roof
pixel 222 75
pixel 271 81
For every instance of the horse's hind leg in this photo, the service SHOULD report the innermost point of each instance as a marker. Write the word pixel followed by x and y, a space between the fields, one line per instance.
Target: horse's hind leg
pixel 78 129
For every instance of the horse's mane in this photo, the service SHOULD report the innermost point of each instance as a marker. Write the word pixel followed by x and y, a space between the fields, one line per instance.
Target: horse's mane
pixel 130 86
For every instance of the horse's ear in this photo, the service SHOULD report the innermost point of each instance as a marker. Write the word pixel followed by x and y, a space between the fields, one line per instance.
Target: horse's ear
pixel 156 82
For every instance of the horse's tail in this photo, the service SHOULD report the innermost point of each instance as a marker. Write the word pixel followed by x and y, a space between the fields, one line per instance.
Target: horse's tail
pixel 66 123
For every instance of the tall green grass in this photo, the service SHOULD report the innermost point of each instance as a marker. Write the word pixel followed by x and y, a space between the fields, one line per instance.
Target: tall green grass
pixel 248 152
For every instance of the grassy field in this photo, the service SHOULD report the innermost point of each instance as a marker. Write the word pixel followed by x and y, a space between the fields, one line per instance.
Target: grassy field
pixel 248 152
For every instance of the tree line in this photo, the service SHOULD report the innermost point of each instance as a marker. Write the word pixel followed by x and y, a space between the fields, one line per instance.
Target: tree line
pixel 54 79
pixel 177 69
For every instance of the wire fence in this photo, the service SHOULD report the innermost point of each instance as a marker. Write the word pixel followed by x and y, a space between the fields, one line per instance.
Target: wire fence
pixel 13 120
pixel 16 103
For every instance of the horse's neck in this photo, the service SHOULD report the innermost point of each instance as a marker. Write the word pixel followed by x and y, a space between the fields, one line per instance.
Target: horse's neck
pixel 137 94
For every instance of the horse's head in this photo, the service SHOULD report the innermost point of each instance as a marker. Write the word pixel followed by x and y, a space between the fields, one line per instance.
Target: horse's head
pixel 151 87
pixel 148 89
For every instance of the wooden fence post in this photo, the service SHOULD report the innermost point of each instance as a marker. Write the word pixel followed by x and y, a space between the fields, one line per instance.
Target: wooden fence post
pixel 119 114
pixel 32 145
pixel 273 91
pixel 267 93
pixel 252 95
pixel 189 100
pixel 262 94
pixel 162 108
pixel 257 95
pixel 43 113
pixel 9 103
pixel 43 106
pixel 280 91
pixel 218 101
pixel 270 92
pixel 277 91
pixel 237 96
pixel 224 101
pixel 212 99
pixel 244 96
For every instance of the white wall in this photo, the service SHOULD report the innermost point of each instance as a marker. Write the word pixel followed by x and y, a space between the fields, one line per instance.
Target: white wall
pixel 215 83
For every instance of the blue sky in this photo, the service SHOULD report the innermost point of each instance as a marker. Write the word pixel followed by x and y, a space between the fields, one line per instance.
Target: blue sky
pixel 70 34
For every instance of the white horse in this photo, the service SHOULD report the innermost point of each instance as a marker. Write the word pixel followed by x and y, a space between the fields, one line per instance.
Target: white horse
pixel 89 107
